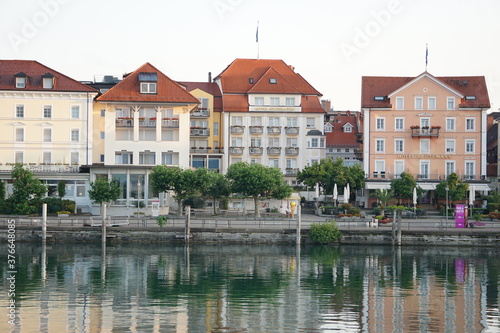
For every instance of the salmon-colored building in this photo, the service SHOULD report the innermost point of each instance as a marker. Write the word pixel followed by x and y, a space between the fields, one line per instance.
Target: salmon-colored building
pixel 427 126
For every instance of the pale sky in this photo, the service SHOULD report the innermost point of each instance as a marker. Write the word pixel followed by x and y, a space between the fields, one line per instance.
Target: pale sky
pixel 331 43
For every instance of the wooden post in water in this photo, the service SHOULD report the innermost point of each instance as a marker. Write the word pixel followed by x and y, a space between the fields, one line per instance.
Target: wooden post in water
pixel 399 214
pixel 299 222
pixel 188 221
pixel 44 223
pixel 103 240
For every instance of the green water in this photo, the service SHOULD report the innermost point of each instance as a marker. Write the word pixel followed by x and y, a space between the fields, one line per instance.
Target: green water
pixel 229 288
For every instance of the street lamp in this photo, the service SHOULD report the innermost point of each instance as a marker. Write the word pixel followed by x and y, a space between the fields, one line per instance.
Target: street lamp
pixel 447 188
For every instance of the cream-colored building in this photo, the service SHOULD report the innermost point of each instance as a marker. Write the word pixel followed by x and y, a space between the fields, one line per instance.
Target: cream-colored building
pixel 46 125
pixel 427 126
pixel 143 121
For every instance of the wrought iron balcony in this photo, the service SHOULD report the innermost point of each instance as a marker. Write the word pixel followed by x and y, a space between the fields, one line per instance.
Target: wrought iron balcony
pixel 236 150
pixel 291 171
pixel 256 129
pixel 201 113
pixel 291 150
pixel 199 131
pixel 256 150
pixel 273 151
pixel 425 131
pixel 167 122
pixel 124 122
pixel 237 129
pixel 292 130
pixel 273 130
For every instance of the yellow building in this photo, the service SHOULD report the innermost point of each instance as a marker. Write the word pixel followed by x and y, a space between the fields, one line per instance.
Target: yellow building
pixel 47 117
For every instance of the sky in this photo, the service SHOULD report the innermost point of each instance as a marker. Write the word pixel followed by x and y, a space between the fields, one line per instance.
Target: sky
pixel 331 43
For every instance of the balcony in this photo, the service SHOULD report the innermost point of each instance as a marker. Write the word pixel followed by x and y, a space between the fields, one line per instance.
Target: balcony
pixel 359 137
pixel 147 122
pixel 358 153
pixel 291 172
pixel 256 129
pixel 236 150
pixel 43 168
pixel 291 150
pixel 206 150
pixel 170 122
pixel 426 131
pixel 273 151
pixel 237 129
pixel 273 130
pixel 256 150
pixel 199 131
pixel 124 122
pixel 201 113
pixel 292 130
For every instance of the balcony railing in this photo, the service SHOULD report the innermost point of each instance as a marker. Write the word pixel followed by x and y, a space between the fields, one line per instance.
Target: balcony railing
pixel 425 131
pixel 147 122
pixel 201 113
pixel 256 130
pixel 236 150
pixel 199 131
pixel 359 137
pixel 291 150
pixel 291 171
pixel 44 168
pixel 273 151
pixel 256 150
pixel 381 175
pixel 167 122
pixel 206 150
pixel 124 122
pixel 273 130
pixel 292 130
pixel 237 129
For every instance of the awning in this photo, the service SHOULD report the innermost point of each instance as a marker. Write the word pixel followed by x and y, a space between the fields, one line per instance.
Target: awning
pixel 480 187
pixel 427 187
pixel 381 186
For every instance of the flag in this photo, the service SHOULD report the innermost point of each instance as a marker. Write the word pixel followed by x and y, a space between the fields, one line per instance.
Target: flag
pixel 257 33
pixel 426 55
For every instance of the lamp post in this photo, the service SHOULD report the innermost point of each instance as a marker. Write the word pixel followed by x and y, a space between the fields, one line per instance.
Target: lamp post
pixel 447 188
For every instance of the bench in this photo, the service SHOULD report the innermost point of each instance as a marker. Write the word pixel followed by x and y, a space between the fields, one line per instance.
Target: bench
pixel 116 221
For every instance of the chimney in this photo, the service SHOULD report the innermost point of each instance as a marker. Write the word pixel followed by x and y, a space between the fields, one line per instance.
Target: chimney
pixel 209 76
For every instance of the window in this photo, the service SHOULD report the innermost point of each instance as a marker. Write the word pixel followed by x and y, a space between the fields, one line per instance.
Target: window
pixel 469 146
pixel 123 158
pixel 255 142
pixel 103 113
pixel 274 163
pixel 21 82
pixel 167 158
pixel 399 124
pixel 450 145
pixel 47 111
pixel 255 160
pixel 75 112
pixel 314 143
pixel 47 157
pixel 425 122
pixel 291 163
pixel 400 103
pixel 19 157
pixel 147 158
pixel 310 123
pixel 203 104
pixel 469 124
pixel 19 111
pixel 75 158
pixel 103 135
pixel 424 169
pixel 450 124
pixel 101 158
pixel 347 150
pixel 431 103
pixel 322 144
pixel 259 101
pixel 291 142
pixel 347 128
pixel 339 150
pixel 75 135
pixel 380 145
pixel 450 167
pixel 47 135
pixel 19 134
pixel 399 145
pixel 399 167
pixel 237 121
pixel 328 128
pixel 290 101
pixel 469 170
pixel 216 129
pixel 380 123
pixel 148 87
pixel 256 121
pixel 424 146
pixel 273 81
pixel 274 121
pixel 236 142
pixel 275 101
pixel 379 165
pixel 419 103
pixel 291 122
pixel 48 83
pixel 274 142
pixel 450 103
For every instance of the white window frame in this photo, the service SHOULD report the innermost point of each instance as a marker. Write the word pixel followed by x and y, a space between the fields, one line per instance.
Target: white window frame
pixel 290 101
pixel 310 122
pixel 291 122
pixel 450 146
pixel 238 120
pixel 47 112
pixel 19 111
pixel 447 171
pixel 148 87
pixel 259 101
pixel 427 164
pixel 74 138
pixel 19 134
pixel 470 143
pixel 274 121
pixel 275 101
pixel 399 124
pixel 75 161
pixel 314 143
pixel 451 124
pixel 419 103
pixel 47 134
pixel 400 103
pixel 396 171
pixel 470 124
pixel 47 157
pixel 379 145
pixel 450 103
pixel 423 144
pixel 21 82
pixel 274 162
pixel 431 103
pixel 425 121
pixel 399 146
pixel 380 123
pixel 468 175
pixel 73 109
pixel 48 83
pixel 348 128
pixel 378 164
pixel 18 157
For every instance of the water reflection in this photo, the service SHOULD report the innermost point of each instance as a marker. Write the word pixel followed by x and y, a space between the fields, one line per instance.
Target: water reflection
pixel 85 288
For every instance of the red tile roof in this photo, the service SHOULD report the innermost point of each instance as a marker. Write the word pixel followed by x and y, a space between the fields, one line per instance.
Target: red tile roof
pixel 167 90
pixel 34 71
pixel 372 86
pixel 211 88
pixel 338 138
pixel 264 85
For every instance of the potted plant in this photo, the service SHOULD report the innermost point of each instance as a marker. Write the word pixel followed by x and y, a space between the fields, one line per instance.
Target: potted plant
pixel 161 220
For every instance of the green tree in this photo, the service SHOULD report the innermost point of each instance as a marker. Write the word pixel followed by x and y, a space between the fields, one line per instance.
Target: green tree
pixel 403 186
pixel 457 188
pixel 493 199
pixel 383 196
pixel 254 180
pixel 61 188
pixel 218 187
pixel 103 191
pixel 27 191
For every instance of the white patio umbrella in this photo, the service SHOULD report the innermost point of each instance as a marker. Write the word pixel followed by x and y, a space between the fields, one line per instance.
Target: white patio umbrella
pixel 335 192
pixel 414 195
pixel 346 196
pixel 348 192
pixel 472 196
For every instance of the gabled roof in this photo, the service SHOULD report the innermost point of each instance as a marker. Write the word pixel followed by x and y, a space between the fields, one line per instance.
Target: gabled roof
pixel 264 85
pixel 386 86
pixel 35 71
pixel 339 138
pixel 236 77
pixel 210 88
pixel 167 90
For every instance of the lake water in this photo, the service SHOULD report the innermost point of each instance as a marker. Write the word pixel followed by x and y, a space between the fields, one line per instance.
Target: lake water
pixel 234 288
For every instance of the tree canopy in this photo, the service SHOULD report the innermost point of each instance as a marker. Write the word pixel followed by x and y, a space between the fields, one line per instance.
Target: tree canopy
pixel 403 186
pixel 27 191
pixel 102 190
pixel 457 188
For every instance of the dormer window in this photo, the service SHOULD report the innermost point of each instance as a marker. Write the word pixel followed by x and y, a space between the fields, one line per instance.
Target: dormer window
pixel 273 81
pixel 148 82
pixel 348 128
pixel 250 80
pixel 48 81
pixel 21 80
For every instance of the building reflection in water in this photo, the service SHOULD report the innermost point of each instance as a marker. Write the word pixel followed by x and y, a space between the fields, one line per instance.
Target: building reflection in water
pixel 76 288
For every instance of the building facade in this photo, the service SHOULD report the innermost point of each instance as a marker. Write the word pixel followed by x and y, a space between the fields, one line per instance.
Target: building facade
pixel 427 126
pixel 46 125
pixel 271 115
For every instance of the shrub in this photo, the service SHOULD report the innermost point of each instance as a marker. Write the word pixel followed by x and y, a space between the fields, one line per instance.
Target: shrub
pixel 326 232
pixel 161 220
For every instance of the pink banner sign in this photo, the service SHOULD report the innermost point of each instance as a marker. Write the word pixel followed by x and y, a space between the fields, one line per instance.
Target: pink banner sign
pixel 460 216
